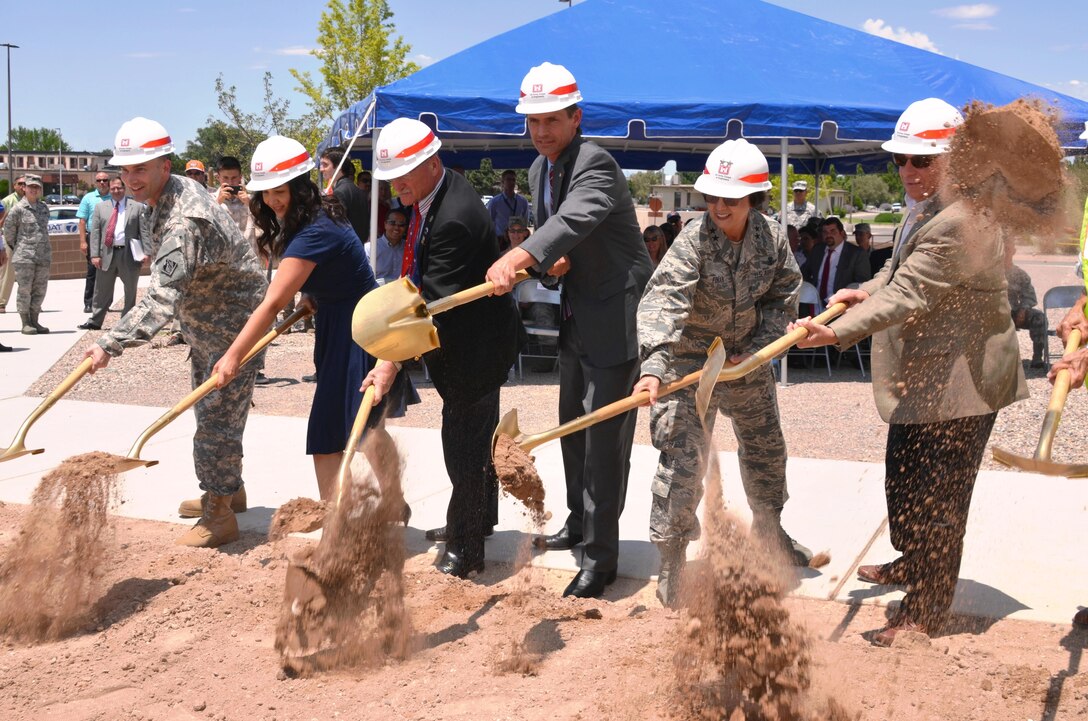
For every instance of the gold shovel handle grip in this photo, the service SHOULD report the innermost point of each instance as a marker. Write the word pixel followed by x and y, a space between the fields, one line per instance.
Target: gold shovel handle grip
pixel 209 385
pixel 762 356
pixel 468 295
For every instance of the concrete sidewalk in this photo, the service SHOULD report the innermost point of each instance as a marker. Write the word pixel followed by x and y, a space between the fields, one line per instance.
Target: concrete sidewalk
pixel 1023 554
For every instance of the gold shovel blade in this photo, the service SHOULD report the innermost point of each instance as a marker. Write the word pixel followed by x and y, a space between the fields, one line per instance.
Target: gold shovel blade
pixel 18 450
pixel 392 322
pixel 1039 465
pixel 508 426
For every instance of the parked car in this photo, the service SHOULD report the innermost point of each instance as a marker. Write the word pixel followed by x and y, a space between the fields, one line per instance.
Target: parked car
pixel 71 200
pixel 486 198
pixel 52 199
pixel 897 207
pixel 62 220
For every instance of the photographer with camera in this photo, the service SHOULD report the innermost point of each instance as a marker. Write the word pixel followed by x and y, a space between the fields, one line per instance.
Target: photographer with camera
pixel 232 195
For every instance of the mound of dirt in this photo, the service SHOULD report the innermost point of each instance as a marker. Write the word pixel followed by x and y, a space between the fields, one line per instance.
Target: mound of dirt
pixel 50 577
pixel 344 597
pixel 299 515
pixel 518 477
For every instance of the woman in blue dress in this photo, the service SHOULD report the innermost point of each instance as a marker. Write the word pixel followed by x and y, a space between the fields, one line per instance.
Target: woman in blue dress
pixel 320 255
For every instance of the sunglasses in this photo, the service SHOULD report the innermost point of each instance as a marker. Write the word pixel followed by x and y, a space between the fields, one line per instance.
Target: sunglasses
pixel 396 225
pixel 918 161
pixel 102 180
pixel 729 202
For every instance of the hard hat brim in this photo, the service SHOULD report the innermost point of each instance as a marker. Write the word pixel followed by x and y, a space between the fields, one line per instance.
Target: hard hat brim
pixel 254 186
pixel 136 160
pixel 898 146
pixel 705 185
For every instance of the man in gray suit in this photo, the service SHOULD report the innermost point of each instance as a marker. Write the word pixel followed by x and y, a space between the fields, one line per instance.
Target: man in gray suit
pixel 588 234
pixel 115 238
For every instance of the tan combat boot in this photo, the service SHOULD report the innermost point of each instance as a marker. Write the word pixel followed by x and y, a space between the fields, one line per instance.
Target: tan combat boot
pixel 193 508
pixel 670 577
pixel 34 322
pixel 28 327
pixel 217 525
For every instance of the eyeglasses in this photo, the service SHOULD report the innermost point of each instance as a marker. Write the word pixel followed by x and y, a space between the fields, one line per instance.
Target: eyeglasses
pixel 518 230
pixel 18 184
pixel 729 202
pixel 918 161
pixel 396 225
pixel 101 180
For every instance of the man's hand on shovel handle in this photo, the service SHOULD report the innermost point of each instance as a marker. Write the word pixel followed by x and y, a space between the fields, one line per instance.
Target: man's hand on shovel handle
pixel 650 384
pixel 381 377
pixel 227 368
pixel 850 296
pixel 1074 320
pixel 99 358
pixel 818 335
pixel 1077 365
pixel 561 267
pixel 503 270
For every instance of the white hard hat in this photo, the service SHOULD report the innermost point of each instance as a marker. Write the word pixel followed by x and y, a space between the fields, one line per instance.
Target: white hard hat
pixel 547 88
pixel 275 161
pixel 402 147
pixel 140 140
pixel 926 127
pixel 734 169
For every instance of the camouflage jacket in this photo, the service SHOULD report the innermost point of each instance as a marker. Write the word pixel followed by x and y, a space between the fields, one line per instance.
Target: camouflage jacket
pixel 696 294
pixel 26 231
pixel 204 272
pixel 1021 291
pixel 798 217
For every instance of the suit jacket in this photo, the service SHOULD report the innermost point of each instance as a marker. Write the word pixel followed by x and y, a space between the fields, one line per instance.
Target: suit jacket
pixel 356 206
pixel 853 266
pixel 479 340
pixel 944 345
pixel 595 227
pixel 102 212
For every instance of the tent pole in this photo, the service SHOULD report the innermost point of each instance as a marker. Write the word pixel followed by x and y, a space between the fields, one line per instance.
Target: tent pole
pixel 373 200
pixel 818 169
pixel 783 172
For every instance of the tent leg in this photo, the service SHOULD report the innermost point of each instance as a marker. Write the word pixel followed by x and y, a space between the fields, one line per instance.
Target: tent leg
pixel 783 376
pixel 374 182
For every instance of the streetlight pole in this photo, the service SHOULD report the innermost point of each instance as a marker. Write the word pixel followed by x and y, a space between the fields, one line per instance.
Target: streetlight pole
pixel 60 167
pixel 11 168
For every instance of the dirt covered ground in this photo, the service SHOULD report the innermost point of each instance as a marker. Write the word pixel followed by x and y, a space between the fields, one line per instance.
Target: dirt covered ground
pixel 188 634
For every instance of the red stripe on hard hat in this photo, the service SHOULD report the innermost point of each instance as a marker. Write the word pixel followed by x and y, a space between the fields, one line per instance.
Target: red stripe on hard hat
pixel 757 178
pixel 565 90
pixel 935 134
pixel 157 143
pixel 290 163
pixel 413 149
pixel 706 171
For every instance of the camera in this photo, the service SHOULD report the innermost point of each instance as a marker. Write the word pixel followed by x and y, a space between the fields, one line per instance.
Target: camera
pixel 234 189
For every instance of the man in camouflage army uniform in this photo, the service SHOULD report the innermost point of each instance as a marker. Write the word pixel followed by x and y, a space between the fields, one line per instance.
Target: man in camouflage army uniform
pixel 26 230
pixel 800 211
pixel 1022 301
pixel 731 274
pixel 207 275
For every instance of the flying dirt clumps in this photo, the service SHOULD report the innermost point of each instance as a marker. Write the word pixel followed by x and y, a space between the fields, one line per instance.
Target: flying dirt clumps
pixel 1007 162
pixel 344 597
pixel 518 477
pixel 738 654
pixel 49 579
pixel 299 515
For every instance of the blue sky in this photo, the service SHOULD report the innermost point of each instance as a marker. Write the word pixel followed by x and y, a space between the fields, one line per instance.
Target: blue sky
pixel 160 59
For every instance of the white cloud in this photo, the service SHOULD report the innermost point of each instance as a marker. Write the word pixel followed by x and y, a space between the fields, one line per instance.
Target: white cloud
pixel 981 11
pixel 1075 82
pixel 422 60
pixel 901 35
pixel 294 50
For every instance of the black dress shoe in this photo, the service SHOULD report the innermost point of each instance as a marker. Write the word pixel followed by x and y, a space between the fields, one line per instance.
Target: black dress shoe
pixel 5 348
pixel 89 326
pixel 560 541
pixel 454 563
pixel 590 584
pixel 439 535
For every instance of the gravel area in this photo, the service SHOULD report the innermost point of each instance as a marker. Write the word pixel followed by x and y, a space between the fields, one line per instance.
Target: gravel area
pixel 822 417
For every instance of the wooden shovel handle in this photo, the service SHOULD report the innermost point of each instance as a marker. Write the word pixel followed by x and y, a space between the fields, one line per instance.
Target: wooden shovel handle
pixel 354 437
pixel 1057 402
pixel 732 372
pixel 468 295
pixel 209 385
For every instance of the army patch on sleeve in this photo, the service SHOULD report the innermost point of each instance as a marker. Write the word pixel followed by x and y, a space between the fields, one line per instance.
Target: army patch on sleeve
pixel 168 267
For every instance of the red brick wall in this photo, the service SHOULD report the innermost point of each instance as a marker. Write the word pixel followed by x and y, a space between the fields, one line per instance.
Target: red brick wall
pixel 68 259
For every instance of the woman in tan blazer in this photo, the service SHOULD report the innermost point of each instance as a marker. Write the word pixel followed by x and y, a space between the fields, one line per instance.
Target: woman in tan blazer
pixel 945 360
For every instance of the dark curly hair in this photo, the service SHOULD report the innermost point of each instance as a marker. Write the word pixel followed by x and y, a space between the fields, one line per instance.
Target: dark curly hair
pixel 306 202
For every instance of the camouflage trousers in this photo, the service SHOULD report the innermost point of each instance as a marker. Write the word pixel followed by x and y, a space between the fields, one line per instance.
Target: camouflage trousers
pixel 1033 320
pixel 33 279
pixel 220 422
pixel 677 486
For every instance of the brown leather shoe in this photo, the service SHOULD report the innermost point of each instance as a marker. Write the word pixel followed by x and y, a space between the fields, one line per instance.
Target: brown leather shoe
pixel 886 636
pixel 884 574
pixel 1081 619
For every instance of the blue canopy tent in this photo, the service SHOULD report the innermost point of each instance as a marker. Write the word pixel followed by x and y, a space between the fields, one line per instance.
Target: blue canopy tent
pixel 673 80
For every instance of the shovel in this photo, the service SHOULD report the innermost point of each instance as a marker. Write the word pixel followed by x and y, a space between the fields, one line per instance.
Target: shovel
pixel 133 460
pixel 508 426
pixel 17 447
pixel 393 323
pixel 1040 462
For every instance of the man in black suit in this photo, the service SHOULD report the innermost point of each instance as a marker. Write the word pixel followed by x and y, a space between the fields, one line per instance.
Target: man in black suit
pixel 835 264
pixel 356 204
pixel 451 243
pixel 587 232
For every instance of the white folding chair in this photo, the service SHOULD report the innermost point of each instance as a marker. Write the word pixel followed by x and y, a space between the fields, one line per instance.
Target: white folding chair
pixel 863 348
pixel 532 291
pixel 1062 296
pixel 810 295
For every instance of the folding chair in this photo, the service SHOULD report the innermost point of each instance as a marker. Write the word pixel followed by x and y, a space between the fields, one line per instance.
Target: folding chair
pixel 532 291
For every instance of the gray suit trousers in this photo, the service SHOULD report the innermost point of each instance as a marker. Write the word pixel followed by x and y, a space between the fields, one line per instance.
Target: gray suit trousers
pixel 121 266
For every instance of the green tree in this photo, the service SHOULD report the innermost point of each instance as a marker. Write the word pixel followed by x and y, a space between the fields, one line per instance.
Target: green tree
pixel 641 182
pixel 486 179
pixel 36 139
pixel 871 190
pixel 358 53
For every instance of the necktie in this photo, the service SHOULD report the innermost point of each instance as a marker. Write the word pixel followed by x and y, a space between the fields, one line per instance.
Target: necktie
pixel 825 274
pixel 111 227
pixel 410 265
